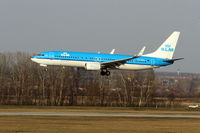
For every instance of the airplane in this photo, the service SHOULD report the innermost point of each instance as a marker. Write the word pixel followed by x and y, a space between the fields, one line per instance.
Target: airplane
pixel 103 62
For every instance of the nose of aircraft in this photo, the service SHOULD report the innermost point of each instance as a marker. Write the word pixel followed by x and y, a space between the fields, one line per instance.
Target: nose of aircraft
pixel 34 59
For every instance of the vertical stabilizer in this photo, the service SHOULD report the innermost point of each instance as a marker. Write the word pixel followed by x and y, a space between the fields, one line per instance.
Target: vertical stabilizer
pixel 167 49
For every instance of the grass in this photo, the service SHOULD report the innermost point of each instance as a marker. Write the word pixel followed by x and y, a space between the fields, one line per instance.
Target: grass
pixel 77 124
pixel 5 108
pixel 52 124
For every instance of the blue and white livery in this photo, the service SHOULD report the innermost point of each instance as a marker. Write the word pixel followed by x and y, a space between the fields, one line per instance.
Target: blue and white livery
pixel 163 56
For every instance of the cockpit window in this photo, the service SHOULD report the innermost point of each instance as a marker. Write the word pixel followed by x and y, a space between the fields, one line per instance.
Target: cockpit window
pixel 40 55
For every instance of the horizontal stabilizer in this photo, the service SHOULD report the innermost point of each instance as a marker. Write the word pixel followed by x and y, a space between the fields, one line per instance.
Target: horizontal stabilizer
pixel 172 60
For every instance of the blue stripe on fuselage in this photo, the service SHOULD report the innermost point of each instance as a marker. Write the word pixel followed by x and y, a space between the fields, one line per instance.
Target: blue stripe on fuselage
pixel 100 57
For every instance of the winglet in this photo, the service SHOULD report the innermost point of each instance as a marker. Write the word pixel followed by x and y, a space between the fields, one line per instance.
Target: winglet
pixel 141 51
pixel 112 52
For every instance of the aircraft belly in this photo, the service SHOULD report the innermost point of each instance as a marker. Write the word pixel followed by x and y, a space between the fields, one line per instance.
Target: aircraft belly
pixel 72 63
pixel 135 67
pixel 60 62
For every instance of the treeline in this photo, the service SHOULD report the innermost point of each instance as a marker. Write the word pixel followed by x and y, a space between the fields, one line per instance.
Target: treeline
pixel 23 82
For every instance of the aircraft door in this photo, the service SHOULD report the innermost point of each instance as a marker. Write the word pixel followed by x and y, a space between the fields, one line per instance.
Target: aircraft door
pixel 98 59
pixel 152 62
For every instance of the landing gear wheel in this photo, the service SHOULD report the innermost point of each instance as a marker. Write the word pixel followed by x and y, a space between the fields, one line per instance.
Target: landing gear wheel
pixel 107 73
pixel 103 73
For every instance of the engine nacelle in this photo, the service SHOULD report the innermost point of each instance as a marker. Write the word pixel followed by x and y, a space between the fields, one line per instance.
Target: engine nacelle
pixel 43 65
pixel 92 66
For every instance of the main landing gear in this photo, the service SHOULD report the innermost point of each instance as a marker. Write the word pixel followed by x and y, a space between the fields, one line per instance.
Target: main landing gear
pixel 105 72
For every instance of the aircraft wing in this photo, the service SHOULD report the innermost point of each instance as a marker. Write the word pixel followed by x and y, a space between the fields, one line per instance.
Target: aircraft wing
pixel 113 64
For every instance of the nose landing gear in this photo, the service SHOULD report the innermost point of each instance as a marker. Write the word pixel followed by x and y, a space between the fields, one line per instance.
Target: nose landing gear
pixel 105 72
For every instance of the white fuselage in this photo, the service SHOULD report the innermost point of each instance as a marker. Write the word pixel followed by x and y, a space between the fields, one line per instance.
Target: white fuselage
pixel 47 62
pixel 163 56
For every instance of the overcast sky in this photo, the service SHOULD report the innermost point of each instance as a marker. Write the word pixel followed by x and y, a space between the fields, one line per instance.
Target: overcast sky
pixel 101 25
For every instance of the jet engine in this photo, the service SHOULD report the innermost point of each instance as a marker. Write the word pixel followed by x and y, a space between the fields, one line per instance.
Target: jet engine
pixel 92 66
